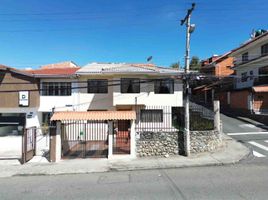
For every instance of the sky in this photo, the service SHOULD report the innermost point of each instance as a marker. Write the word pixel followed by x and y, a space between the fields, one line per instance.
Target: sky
pixel 36 32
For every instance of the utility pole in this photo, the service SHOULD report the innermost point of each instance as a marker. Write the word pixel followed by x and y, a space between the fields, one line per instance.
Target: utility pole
pixel 189 30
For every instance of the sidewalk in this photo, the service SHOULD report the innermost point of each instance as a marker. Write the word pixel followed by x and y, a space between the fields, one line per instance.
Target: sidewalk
pixel 231 153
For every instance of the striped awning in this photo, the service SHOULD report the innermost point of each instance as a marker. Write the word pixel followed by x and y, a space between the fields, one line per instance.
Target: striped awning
pixel 93 115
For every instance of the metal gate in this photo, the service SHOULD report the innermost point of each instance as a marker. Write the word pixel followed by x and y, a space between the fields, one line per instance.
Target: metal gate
pixel 28 144
pixel 121 139
pixel 81 139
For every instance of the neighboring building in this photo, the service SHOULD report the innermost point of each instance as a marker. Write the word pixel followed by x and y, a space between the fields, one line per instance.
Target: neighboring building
pixel 216 71
pixel 19 103
pixel 128 98
pixel 251 67
pixel 219 66
pixel 57 88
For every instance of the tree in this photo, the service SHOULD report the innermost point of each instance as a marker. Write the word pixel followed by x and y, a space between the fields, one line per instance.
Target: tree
pixel 195 63
pixel 175 65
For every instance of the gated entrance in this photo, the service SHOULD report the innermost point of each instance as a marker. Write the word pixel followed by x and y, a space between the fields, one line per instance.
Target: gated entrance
pixel 28 144
pixel 121 143
pixel 84 139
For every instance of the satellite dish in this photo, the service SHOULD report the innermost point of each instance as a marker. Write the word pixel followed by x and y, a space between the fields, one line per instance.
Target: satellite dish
pixel 149 58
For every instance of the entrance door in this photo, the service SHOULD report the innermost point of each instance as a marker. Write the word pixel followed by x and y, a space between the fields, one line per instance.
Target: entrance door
pixel 121 143
pixel 28 144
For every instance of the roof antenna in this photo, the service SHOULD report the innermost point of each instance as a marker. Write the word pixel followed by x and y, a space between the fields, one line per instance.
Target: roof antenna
pixel 149 59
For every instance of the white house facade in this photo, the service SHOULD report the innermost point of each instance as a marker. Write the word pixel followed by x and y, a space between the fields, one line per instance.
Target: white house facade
pixel 123 98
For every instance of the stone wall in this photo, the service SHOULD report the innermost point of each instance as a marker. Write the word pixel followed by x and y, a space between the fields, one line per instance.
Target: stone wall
pixel 205 141
pixel 158 144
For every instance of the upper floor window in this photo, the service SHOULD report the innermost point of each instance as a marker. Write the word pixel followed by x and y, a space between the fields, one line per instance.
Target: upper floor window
pixel 264 49
pixel 56 89
pixel 152 115
pixel 245 57
pixel 164 86
pixel 97 86
pixel 244 77
pixel 130 85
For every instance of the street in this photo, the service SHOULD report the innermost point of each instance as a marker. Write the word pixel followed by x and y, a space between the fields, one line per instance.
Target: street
pixel 241 181
pixel 251 133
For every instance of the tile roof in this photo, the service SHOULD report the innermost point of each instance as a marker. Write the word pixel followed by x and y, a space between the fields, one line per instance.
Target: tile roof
pixel 53 71
pixel 23 72
pixel 119 68
pixel 67 64
pixel 93 115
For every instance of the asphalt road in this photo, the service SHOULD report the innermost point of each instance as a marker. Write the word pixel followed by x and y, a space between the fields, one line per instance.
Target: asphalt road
pixel 241 181
pixel 251 133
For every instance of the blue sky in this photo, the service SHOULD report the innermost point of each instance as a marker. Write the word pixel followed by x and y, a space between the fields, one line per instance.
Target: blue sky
pixel 35 32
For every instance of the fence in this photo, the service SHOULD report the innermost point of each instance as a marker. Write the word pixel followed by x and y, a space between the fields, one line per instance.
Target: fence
pixel 158 119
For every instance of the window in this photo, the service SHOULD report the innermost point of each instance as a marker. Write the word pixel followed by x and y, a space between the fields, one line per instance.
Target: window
pixel 244 77
pixel 130 85
pixel 97 86
pixel 251 76
pixel 164 86
pixel 264 49
pixel 56 89
pixel 46 118
pixel 245 57
pixel 151 116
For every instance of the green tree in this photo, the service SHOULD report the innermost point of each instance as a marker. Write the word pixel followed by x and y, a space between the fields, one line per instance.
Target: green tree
pixel 195 63
pixel 175 65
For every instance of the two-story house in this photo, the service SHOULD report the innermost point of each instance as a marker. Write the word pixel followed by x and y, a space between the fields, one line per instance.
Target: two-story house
pixel 251 68
pixel 216 71
pixel 121 99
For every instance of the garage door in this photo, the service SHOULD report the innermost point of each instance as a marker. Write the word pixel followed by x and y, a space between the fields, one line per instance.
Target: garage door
pixel 11 130
pixel 84 139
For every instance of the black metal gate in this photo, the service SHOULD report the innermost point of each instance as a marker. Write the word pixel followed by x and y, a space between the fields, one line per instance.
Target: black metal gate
pixel 28 144
pixel 81 139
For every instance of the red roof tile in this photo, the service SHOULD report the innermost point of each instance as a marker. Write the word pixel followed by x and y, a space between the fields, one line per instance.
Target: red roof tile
pixel 54 71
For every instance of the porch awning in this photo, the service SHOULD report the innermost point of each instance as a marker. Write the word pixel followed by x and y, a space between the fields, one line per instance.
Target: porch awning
pixel 93 115
pixel 260 88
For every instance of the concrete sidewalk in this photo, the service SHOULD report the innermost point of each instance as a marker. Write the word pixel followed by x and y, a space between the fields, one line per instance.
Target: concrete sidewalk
pixel 232 152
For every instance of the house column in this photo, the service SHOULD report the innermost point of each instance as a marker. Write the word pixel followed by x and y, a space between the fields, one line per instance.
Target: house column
pixel 55 143
pixel 110 138
pixel 206 96
pixel 132 139
pixel 217 120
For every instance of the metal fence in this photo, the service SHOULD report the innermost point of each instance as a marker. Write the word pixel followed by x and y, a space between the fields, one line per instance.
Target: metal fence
pixel 157 119
pixel 84 138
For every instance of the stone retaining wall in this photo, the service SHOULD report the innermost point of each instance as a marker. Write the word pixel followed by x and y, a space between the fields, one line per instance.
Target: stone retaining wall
pixel 205 141
pixel 158 144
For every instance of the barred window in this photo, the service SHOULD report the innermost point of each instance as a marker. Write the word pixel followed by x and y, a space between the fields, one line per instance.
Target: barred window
pixel 97 86
pixel 164 86
pixel 56 89
pixel 264 49
pixel 244 77
pixel 152 115
pixel 245 57
pixel 130 85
